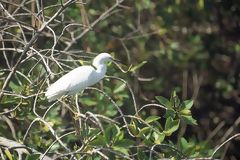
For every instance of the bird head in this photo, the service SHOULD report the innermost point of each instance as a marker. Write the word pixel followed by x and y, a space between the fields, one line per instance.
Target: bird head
pixel 102 58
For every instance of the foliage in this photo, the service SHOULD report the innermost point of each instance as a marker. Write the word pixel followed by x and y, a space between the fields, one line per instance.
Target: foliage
pixel 191 48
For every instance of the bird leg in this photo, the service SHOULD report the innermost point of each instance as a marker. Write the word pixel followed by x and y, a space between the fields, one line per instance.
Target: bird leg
pixel 78 111
pixel 74 112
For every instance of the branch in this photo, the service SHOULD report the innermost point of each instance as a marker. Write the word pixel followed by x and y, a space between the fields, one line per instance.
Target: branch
pixel 18 147
pixel 100 18
pixel 228 140
pixel 31 42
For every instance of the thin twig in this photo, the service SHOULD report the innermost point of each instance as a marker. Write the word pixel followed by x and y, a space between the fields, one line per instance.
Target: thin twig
pixel 130 90
pixel 115 105
pixel 100 18
pixel 30 43
pixel 221 145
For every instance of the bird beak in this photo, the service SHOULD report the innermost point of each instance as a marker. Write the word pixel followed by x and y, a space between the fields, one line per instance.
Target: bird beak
pixel 117 61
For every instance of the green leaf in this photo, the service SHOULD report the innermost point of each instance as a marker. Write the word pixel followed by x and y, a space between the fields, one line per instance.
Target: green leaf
pixel 173 94
pixel 88 101
pixel 141 155
pixel 183 143
pixel 201 4
pixel 171 126
pixel 8 154
pixel 175 102
pixel 99 141
pixel 152 119
pixel 187 104
pixel 121 149
pixel 158 137
pixel 111 133
pixel 120 136
pixel 119 88
pixel 143 131
pixel 165 102
pixel 32 157
pixel 189 119
pixel 138 66
pixel 15 88
pixel 185 112
pixel 9 100
pixel 124 143
pixel 133 128
pixel 92 132
pixel 147 141
pixel 169 113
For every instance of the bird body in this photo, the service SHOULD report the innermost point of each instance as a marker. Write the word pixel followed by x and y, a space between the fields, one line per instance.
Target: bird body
pixel 79 78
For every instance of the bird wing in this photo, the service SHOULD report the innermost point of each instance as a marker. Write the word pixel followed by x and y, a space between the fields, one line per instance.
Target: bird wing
pixel 71 83
pixel 81 77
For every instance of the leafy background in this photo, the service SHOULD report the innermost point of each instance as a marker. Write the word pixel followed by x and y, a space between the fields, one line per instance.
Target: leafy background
pixel 188 49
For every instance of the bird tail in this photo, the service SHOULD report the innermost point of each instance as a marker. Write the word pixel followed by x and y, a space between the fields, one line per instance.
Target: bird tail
pixel 51 96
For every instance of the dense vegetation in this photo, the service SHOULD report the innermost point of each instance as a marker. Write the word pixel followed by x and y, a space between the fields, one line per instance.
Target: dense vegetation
pixel 176 96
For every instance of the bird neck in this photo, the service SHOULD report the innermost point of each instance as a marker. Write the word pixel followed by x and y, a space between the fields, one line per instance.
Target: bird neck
pixel 100 68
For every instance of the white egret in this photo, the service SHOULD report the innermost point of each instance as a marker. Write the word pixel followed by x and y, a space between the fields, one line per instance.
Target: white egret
pixel 79 78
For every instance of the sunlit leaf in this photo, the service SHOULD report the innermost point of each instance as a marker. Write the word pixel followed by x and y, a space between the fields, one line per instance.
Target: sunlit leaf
pixel 8 154
pixel 119 88
pixel 171 126
pixel 187 104
pixel 201 4
pixel 121 149
pixel 133 128
pixel 158 137
pixel 88 101
pixel 81 62
pixel 152 119
pixel 185 112
pixel 143 131
pixel 138 66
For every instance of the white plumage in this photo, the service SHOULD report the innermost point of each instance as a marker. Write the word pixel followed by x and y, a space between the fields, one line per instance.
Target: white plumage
pixel 79 78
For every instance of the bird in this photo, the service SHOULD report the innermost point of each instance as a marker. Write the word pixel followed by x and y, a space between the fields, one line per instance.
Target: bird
pixel 80 78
